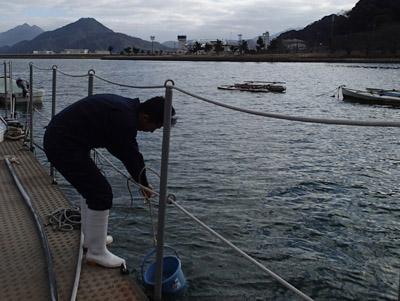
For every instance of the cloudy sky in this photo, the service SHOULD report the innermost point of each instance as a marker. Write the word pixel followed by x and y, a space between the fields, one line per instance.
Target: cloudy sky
pixel 198 19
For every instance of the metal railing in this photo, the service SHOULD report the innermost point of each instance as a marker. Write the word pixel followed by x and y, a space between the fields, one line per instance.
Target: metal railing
pixel 163 195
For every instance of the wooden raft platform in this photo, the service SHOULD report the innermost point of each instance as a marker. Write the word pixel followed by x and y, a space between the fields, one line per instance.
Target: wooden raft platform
pixel 23 272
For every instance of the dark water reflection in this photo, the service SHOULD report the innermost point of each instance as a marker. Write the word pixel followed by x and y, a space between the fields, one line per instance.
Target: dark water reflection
pixel 316 204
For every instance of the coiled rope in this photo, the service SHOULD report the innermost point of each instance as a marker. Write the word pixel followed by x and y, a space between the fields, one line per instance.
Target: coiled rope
pixel 65 219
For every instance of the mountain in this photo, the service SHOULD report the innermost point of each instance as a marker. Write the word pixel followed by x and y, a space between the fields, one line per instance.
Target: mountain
pixel 370 21
pixel 19 33
pixel 86 33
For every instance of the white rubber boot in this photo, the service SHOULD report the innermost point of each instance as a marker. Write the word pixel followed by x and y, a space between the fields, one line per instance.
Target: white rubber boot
pixel 84 209
pixel 96 232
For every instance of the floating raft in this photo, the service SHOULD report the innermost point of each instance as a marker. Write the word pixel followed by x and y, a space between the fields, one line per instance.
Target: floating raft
pixel 23 270
pixel 256 86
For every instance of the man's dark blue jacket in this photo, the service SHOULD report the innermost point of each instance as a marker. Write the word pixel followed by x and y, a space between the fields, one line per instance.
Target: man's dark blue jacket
pixel 101 121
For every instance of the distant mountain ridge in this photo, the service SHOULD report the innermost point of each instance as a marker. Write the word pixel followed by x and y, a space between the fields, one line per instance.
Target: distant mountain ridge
pixel 86 33
pixel 18 34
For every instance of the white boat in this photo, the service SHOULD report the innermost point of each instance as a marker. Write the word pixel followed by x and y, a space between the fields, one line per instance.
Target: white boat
pixel 372 96
pixel 255 86
pixel 20 91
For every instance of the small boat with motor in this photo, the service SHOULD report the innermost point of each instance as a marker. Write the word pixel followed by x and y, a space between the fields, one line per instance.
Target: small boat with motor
pixel 256 86
pixel 372 96
pixel 19 91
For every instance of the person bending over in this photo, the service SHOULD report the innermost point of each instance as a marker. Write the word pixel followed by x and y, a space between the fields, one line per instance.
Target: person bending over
pixel 100 121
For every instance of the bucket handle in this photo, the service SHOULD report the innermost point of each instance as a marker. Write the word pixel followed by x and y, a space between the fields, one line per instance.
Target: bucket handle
pixel 151 252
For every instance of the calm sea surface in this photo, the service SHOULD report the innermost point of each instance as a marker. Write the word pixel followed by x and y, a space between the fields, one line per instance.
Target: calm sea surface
pixel 317 204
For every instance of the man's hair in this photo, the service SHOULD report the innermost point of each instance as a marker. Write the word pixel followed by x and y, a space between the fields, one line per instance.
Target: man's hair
pixel 154 107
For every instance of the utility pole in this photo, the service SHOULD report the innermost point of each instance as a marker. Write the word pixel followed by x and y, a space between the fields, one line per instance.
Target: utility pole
pixel 152 39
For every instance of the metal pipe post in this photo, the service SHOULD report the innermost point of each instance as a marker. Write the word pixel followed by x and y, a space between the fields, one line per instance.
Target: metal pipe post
pixel 53 112
pixel 163 192
pixel 91 78
pixel 5 87
pixel 31 105
pixel 53 92
pixel 12 104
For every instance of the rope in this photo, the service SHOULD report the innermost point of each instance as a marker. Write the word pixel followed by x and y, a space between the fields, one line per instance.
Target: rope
pixel 65 219
pixel 296 118
pixel 42 232
pixel 141 187
pixel 245 255
pixel 127 86
pixel 78 270
pixel 329 92
pixel 172 200
pixel 40 68
pixel 41 114
pixel 148 201
pixel 72 75
pixel 115 226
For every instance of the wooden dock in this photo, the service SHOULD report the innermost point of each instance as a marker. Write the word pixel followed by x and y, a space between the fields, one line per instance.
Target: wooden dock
pixel 23 270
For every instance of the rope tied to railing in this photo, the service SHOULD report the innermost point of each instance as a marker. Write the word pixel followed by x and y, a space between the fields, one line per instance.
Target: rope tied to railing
pixel 171 199
pixel 296 118
pixel 72 75
pixel 141 189
pixel 41 114
pixel 127 86
pixel 40 68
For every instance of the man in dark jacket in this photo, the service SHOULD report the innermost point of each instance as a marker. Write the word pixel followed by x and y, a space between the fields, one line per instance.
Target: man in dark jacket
pixel 100 121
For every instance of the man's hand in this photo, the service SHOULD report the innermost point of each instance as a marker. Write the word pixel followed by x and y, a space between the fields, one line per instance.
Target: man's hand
pixel 146 193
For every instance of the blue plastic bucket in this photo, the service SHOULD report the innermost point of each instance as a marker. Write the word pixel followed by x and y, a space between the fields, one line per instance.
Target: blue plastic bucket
pixel 172 277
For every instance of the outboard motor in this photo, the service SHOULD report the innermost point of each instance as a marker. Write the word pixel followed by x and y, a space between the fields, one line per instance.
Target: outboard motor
pixel 24 85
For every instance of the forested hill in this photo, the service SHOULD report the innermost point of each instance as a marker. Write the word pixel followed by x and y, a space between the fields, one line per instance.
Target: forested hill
pixel 370 25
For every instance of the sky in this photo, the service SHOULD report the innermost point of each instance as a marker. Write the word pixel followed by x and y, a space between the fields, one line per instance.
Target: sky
pixel 165 20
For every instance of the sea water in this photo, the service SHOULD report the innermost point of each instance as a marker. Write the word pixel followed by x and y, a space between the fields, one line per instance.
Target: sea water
pixel 316 204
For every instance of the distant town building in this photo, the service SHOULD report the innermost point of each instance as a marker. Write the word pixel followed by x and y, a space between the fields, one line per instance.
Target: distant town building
pixel 182 46
pixel 75 51
pixel 43 52
pixel 102 52
pixel 265 38
pixel 294 45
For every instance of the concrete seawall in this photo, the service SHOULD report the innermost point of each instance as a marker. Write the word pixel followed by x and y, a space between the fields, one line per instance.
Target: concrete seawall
pixel 300 58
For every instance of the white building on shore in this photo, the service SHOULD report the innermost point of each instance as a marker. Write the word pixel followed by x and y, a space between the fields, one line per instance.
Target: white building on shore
pixel 75 51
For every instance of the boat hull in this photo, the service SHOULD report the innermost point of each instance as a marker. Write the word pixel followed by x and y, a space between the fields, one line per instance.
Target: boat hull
pixel 369 97
pixel 20 99
pixel 18 95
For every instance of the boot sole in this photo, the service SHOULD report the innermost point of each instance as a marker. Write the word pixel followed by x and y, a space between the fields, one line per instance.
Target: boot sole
pixel 93 263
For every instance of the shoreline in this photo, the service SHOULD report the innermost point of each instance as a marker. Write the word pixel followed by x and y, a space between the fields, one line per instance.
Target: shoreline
pixel 271 58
